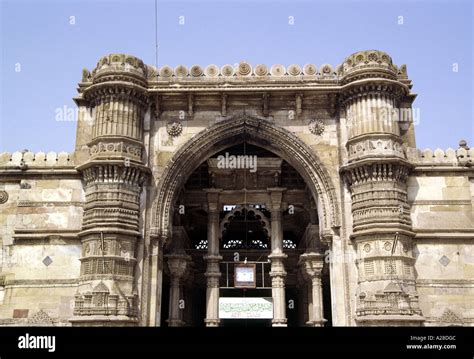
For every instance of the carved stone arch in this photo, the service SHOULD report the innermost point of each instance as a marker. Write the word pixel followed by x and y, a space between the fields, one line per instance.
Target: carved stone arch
pixel 257 131
pixel 227 219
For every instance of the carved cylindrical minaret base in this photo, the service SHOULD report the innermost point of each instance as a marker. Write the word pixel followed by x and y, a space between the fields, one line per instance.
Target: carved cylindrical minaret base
pixel 376 174
pixel 113 177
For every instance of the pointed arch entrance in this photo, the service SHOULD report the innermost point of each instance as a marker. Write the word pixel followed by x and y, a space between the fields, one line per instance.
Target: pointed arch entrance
pixel 258 131
pixel 224 134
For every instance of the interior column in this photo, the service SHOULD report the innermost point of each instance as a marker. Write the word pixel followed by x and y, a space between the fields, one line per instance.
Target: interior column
pixel 312 265
pixel 178 265
pixel 213 258
pixel 277 257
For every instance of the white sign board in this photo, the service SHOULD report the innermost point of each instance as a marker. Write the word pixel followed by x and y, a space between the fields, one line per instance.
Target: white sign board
pixel 245 308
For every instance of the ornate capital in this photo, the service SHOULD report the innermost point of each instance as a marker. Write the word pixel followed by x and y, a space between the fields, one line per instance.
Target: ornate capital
pixel 178 265
pixel 311 265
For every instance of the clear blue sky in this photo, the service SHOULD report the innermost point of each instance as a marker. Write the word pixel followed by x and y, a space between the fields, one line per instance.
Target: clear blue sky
pixel 52 52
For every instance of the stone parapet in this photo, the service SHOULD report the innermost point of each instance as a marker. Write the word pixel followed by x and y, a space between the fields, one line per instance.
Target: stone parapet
pixel 27 159
pixel 461 157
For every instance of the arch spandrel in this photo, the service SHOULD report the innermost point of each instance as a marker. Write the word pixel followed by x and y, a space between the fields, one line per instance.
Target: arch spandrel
pixel 260 132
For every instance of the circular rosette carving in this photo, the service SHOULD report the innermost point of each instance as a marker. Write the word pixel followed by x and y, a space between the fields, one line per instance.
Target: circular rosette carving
pixel 294 70
pixel 181 71
pixel 174 128
pixel 3 197
pixel 245 69
pixel 316 127
pixel 212 71
pixel 278 70
pixel 387 246
pixel 166 72
pixel 196 71
pixel 227 70
pixel 110 147
pixel 261 70
pixel 372 57
pixel 310 69
pixel 326 69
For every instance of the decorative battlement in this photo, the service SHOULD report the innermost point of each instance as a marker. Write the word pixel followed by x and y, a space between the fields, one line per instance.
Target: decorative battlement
pixel 461 157
pixel 357 65
pixel 363 61
pixel 116 63
pixel 26 159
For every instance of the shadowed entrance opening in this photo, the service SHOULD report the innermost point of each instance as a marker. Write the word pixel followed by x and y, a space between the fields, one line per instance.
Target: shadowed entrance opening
pixel 247 210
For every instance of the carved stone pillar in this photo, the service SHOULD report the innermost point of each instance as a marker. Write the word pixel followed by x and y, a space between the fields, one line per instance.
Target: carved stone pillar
pixel 178 265
pixel 113 177
pixel 156 260
pixel 213 258
pixel 311 266
pixel 376 175
pixel 277 257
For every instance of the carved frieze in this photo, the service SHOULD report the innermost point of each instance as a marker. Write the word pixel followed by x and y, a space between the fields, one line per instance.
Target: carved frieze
pixel 117 148
pixel 373 148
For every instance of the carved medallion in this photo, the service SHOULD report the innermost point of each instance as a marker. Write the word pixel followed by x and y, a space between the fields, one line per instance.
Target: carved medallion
pixel 166 71
pixel 3 197
pixel 277 70
pixel 367 248
pixel 181 71
pixel 212 71
pixel 316 127
pixel 310 69
pixel 294 70
pixel 261 70
pixel 244 69
pixel 227 70
pixel 196 71
pixel 326 69
pixel 174 129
